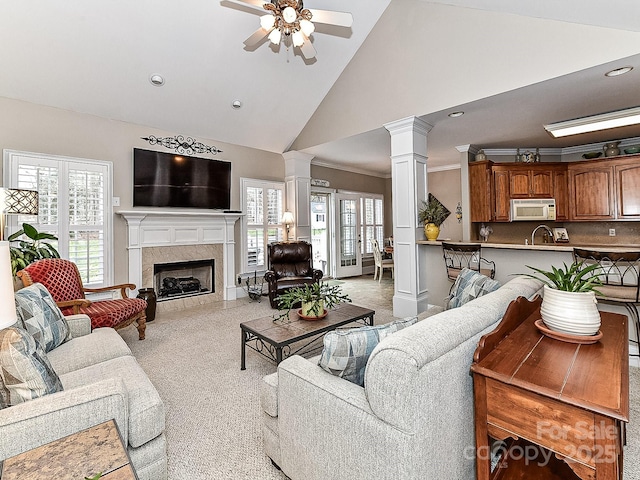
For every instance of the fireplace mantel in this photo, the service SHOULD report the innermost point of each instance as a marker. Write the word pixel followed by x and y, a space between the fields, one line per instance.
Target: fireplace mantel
pixel 156 228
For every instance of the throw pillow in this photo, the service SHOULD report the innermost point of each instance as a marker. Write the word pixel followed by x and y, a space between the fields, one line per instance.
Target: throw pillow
pixel 41 316
pixel 25 371
pixel 470 285
pixel 346 352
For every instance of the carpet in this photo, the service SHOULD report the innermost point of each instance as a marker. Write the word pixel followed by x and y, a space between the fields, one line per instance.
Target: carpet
pixel 213 408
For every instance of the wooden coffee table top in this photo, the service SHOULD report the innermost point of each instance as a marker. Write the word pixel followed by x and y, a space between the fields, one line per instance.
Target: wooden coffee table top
pixel 284 332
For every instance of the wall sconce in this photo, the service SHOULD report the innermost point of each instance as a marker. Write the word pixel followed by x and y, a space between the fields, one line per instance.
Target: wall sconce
pixel 15 201
pixel 459 212
pixel 287 219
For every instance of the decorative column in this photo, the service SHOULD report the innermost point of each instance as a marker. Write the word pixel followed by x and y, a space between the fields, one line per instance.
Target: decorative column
pixel 465 153
pixel 409 188
pixel 297 171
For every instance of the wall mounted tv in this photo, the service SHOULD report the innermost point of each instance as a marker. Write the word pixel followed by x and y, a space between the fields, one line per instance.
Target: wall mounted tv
pixel 173 180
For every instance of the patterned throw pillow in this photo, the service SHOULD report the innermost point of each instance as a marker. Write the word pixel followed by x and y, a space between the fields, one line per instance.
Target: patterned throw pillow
pixel 25 371
pixel 41 316
pixel 346 352
pixel 470 285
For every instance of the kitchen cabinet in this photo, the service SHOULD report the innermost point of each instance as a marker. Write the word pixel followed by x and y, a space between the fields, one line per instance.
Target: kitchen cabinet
pixel 591 191
pixel 627 180
pixel 532 182
pixel 480 191
pixel 502 199
pixel 561 193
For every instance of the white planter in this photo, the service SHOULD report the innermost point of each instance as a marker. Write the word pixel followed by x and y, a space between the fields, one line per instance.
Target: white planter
pixel 575 313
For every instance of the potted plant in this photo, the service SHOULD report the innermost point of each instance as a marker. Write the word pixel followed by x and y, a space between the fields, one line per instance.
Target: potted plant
pixel 35 246
pixel 432 214
pixel 314 299
pixel 569 302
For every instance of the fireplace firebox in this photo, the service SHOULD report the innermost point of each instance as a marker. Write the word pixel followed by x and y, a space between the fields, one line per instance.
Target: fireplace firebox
pixel 184 279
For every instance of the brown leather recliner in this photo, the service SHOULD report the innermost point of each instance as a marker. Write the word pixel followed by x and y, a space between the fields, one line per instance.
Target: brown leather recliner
pixel 290 265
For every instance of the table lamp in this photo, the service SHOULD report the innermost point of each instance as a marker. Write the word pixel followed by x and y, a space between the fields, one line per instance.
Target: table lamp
pixel 7 303
pixel 16 201
pixel 287 219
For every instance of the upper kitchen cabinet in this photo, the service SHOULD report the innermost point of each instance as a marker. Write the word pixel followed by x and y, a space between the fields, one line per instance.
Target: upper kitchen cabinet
pixel 502 197
pixel 531 181
pixel 591 191
pixel 480 191
pixel 627 180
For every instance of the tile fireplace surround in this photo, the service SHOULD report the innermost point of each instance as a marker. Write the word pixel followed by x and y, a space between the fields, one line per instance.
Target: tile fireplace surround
pixel 161 236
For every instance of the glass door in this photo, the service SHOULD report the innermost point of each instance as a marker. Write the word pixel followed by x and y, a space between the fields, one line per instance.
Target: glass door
pixel 349 255
pixel 320 231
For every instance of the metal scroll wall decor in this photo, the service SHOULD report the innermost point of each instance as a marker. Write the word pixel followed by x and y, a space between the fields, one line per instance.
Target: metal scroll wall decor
pixel 181 144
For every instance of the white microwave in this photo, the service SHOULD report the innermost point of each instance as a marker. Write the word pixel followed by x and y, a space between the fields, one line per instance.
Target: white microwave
pixel 533 209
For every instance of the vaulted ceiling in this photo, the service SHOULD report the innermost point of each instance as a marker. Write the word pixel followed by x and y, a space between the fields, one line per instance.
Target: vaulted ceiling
pixel 511 66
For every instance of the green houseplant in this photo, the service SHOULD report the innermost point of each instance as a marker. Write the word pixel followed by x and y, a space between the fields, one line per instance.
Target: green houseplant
pixel 29 245
pixel 569 302
pixel 432 214
pixel 313 298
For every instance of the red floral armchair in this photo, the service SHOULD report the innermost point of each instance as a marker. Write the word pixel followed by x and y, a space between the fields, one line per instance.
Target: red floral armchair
pixel 62 279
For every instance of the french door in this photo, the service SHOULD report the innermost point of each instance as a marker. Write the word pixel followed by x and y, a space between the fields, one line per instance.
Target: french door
pixel 348 252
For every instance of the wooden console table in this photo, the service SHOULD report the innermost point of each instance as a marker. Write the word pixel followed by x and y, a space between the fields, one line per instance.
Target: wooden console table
pixel 98 449
pixel 560 407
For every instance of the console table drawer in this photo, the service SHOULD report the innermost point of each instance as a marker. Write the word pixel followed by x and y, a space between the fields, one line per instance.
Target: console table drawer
pixel 565 429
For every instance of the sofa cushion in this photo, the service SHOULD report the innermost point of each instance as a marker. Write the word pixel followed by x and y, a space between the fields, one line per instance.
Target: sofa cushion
pixel 41 316
pixel 347 351
pixel 99 346
pixel 470 285
pixel 25 371
pixel 146 410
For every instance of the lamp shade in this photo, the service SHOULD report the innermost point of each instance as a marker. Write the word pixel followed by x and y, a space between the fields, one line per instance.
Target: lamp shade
pixel 287 218
pixel 18 201
pixel 7 303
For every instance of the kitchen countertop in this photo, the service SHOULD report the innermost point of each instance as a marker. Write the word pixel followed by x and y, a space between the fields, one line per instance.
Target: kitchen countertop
pixel 557 247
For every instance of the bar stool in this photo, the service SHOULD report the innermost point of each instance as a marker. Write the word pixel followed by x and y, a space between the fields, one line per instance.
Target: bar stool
pixel 466 255
pixel 619 273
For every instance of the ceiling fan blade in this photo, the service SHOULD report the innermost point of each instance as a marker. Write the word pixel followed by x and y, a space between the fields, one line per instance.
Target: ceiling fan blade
pixel 341 19
pixel 253 3
pixel 307 49
pixel 256 37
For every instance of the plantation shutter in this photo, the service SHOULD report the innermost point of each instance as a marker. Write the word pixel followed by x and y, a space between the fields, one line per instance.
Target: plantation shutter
pixel 73 202
pixel 372 222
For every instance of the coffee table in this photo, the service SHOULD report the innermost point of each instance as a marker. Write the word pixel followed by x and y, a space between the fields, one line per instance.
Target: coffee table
pixel 273 339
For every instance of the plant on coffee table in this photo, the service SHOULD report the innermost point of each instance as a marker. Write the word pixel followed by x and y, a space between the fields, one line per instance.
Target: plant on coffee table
pixel 314 299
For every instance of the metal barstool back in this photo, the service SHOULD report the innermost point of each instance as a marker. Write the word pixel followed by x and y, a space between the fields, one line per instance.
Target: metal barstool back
pixel 620 279
pixel 466 255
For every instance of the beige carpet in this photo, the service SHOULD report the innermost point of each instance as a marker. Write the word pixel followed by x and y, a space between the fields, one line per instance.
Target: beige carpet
pixel 213 409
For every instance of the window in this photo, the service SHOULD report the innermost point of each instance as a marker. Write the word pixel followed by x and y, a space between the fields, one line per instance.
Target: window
pixel 371 221
pixel 74 205
pixel 263 205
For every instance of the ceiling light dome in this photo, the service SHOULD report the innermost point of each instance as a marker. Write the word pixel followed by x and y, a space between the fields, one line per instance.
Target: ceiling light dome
pixel 289 14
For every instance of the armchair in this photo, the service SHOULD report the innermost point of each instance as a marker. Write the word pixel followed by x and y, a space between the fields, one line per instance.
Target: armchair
pixel 290 265
pixel 62 279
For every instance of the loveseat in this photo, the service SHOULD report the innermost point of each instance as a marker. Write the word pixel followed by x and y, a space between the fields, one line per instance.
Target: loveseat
pixel 412 419
pixel 101 380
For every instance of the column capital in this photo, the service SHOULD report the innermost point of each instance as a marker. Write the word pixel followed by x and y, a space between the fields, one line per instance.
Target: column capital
pixel 409 124
pixel 297 164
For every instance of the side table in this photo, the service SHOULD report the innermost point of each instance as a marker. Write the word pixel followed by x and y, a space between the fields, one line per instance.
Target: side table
pixel 98 449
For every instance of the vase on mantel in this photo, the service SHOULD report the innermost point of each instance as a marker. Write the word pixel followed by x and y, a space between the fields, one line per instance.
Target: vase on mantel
pixel 431 231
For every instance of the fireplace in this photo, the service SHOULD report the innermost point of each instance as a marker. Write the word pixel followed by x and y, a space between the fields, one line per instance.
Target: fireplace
pixel 184 279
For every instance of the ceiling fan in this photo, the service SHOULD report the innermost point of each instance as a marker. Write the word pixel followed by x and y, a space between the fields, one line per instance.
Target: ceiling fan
pixel 290 19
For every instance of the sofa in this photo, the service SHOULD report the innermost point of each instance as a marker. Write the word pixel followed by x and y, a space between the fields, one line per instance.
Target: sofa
pixel 412 419
pixel 290 265
pixel 101 380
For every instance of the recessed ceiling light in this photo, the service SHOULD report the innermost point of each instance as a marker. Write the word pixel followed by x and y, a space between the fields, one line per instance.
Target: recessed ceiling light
pixel 456 114
pixel 157 80
pixel 236 104
pixel 618 71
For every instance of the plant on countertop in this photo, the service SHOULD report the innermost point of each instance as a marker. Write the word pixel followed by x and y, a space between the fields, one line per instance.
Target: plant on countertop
pixel 35 246
pixel 432 211
pixel 314 297
pixel 570 278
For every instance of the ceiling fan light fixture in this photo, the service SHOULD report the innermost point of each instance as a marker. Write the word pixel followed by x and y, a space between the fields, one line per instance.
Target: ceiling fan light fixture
pixel 594 123
pixel 267 22
pixel 275 36
pixel 298 38
pixel 289 14
pixel 307 27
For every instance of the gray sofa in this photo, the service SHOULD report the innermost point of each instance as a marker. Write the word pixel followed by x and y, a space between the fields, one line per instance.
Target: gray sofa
pixel 413 419
pixel 101 380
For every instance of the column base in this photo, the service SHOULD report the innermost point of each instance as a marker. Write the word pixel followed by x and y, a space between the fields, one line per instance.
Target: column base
pixel 405 306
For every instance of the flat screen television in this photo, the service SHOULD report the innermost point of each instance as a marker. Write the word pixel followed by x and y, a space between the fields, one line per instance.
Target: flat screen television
pixel 173 180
